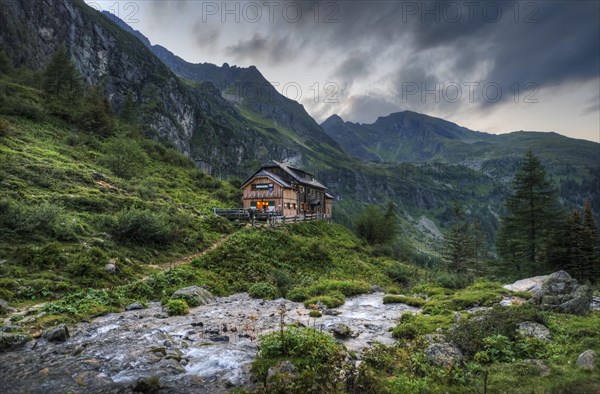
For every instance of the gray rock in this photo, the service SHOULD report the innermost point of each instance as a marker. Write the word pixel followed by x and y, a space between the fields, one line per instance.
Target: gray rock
pixel 111 266
pixel 135 306
pixel 443 354
pixel 9 341
pixel 320 305
pixel 283 372
pixel 528 329
pixel 194 295
pixel 579 302
pixel 219 338
pixel 559 292
pixel 595 304
pixel 377 289
pixel 529 284
pixel 4 307
pixel 147 385
pixel 540 368
pixel 57 334
pixel 331 312
pixel 587 360
pixel 341 331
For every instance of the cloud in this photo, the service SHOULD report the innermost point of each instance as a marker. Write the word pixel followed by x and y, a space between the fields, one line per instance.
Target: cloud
pixel 367 108
pixel 276 50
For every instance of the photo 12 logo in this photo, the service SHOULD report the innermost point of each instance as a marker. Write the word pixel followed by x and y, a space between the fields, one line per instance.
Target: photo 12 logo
pixel 269 11
pixel 454 92
pixel 469 11
pixel 127 11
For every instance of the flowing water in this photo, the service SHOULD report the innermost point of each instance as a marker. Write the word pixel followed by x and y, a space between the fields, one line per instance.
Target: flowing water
pixel 210 350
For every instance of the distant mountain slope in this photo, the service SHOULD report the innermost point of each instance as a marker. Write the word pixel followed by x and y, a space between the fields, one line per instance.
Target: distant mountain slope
pixel 246 86
pixel 410 136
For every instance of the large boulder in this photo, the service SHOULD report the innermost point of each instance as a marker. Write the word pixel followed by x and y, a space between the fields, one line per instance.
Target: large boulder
pixel 194 295
pixel 4 307
pixel 9 341
pixel 441 352
pixel 529 284
pixel 57 334
pixel 587 360
pixel 556 292
pixel 528 329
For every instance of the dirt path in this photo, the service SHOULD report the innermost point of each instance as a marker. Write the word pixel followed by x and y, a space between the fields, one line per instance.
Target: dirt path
pixel 188 259
pixel 31 309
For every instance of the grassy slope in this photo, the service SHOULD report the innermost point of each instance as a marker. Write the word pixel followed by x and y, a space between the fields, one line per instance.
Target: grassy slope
pixel 59 219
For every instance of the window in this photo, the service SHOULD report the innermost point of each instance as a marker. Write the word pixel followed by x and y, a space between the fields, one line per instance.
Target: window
pixel 294 206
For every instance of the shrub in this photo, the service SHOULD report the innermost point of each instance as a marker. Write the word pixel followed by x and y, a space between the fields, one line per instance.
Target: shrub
pixel 297 295
pixel 407 328
pixel 329 300
pixel 318 359
pixel 315 314
pixel 142 226
pixel 177 307
pixel 470 334
pixel 125 158
pixel 346 287
pixel 263 290
pixel 452 280
pixel 400 299
pixel 401 273
pixel 4 128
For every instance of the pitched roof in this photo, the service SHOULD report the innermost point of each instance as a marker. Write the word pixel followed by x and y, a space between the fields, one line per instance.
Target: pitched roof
pixel 300 176
pixel 261 173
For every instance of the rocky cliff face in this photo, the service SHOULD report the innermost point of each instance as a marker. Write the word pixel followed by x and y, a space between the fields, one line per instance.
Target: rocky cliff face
pixel 246 86
pixel 31 31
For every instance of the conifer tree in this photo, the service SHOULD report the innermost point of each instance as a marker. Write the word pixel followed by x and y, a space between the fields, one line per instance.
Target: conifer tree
pixel 6 66
pixel 590 244
pixel 97 115
pixel 532 211
pixel 128 114
pixel 458 248
pixel 61 78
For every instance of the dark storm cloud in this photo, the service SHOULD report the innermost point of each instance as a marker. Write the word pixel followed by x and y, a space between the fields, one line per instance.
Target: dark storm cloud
pixel 369 106
pixel 546 43
pixel 275 50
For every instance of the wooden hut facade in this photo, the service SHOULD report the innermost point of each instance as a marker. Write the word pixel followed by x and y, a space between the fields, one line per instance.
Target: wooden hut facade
pixel 289 191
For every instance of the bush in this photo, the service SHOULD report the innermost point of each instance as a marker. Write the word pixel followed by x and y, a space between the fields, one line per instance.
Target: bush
pixel 263 290
pixel 331 301
pixel 346 287
pixel 400 299
pixel 452 280
pixel 4 128
pixel 297 295
pixel 125 158
pixel 177 307
pixel 401 273
pixel 142 227
pixel 316 356
pixel 407 328
pixel 470 334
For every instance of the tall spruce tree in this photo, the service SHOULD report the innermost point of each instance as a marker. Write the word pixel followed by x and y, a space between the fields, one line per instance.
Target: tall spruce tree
pixel 61 78
pixel 128 114
pixel 590 244
pixel 457 244
pixel 464 245
pixel 532 210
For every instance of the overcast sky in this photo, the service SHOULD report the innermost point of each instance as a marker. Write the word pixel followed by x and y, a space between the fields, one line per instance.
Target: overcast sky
pixel 494 66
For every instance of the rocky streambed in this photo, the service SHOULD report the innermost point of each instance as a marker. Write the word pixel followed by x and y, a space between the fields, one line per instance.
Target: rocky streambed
pixel 207 351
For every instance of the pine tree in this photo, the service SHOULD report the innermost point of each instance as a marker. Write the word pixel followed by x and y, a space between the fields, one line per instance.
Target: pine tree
pixel 128 114
pixel 532 209
pixel 96 114
pixel 6 66
pixel 458 244
pixel 590 244
pixel 574 259
pixel 61 78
